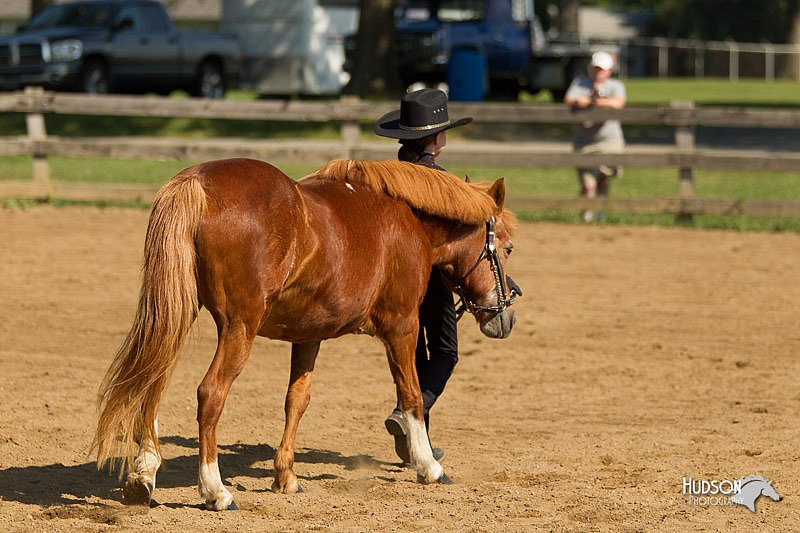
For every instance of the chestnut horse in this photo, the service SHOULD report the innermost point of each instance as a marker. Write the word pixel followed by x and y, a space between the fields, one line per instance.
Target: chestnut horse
pixel 348 249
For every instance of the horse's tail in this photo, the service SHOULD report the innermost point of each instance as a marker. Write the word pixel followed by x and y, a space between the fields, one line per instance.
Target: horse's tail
pixel 168 305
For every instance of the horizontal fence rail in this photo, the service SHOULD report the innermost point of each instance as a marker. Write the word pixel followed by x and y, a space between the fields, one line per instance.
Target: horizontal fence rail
pixel 351 112
pixel 353 109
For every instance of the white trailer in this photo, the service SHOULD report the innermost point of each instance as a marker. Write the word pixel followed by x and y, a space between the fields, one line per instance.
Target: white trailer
pixel 292 47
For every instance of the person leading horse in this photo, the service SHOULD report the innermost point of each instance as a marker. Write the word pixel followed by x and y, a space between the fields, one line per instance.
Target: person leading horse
pixel 420 126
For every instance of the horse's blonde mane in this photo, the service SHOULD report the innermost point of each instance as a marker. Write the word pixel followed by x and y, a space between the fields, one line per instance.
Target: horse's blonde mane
pixel 431 191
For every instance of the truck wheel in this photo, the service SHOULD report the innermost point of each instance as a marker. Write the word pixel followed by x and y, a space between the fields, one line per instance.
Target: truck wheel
pixel 94 78
pixel 210 82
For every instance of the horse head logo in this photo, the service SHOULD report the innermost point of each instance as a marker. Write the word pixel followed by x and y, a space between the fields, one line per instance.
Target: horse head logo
pixel 751 488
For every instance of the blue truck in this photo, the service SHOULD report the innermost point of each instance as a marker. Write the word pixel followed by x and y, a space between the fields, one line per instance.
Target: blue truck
pixel 504 37
pixel 101 46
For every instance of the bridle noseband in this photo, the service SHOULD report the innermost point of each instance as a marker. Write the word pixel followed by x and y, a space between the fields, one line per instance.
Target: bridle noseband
pixel 489 253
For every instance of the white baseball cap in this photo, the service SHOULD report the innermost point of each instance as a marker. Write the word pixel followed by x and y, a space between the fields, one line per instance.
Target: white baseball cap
pixel 604 60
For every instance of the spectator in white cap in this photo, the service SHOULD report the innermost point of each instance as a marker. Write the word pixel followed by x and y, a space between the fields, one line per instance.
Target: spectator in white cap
pixel 597 90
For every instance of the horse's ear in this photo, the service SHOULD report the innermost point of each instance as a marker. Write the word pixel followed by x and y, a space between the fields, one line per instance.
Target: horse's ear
pixel 467 180
pixel 498 193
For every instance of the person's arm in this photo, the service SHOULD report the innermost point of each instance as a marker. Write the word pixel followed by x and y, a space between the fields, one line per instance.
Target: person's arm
pixel 615 99
pixel 578 101
pixel 575 97
pixel 612 102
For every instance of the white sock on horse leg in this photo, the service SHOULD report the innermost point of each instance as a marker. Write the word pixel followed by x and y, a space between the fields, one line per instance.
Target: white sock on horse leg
pixel 147 460
pixel 211 488
pixel 419 449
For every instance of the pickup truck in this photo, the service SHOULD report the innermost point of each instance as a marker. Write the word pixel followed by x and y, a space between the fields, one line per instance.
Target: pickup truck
pixel 102 46
pixel 505 34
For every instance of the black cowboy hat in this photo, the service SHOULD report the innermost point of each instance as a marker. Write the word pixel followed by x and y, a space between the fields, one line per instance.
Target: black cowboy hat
pixel 421 113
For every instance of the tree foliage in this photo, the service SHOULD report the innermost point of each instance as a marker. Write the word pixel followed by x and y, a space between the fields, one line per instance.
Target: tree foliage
pixel 717 20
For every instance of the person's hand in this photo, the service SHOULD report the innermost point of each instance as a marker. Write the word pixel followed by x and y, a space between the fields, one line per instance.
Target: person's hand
pixel 582 102
pixel 611 102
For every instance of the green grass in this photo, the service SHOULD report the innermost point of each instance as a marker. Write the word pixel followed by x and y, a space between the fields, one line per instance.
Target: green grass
pixel 15 168
pixel 549 182
pixel 104 170
pixel 703 92
pixel 713 92
pixel 700 222
pixel 644 182
pixel 28 203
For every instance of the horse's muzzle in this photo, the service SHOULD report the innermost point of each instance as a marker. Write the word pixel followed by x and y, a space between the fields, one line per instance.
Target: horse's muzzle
pixel 499 325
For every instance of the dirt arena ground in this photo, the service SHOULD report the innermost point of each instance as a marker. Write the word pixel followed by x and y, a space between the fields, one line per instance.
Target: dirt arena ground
pixel 642 356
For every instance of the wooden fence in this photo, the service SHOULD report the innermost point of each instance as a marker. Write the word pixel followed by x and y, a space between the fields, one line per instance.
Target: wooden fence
pixel 350 113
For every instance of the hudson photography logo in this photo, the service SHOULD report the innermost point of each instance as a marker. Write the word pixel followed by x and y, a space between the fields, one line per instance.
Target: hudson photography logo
pixel 744 491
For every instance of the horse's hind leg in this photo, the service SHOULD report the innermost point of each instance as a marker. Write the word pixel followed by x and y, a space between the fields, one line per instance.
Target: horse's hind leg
pixel 141 482
pixel 297 398
pixel 233 349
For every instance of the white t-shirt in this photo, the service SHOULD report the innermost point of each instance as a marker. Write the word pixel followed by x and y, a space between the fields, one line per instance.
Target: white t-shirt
pixel 592 132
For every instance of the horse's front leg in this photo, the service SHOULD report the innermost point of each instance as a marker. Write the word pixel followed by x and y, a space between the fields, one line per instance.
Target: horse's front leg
pixel 297 398
pixel 141 482
pixel 400 345
pixel 233 349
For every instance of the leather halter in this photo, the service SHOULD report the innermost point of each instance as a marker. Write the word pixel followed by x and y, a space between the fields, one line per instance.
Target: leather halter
pixel 488 253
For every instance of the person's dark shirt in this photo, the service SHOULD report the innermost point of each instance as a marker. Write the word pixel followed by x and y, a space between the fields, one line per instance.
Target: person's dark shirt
pixel 427 160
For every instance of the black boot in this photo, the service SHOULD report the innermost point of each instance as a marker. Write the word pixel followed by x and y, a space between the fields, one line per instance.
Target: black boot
pixel 396 427
pixel 438 453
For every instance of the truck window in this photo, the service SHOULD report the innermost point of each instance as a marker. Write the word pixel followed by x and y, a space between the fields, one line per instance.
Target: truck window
pixel 460 10
pixel 155 19
pixel 444 10
pixel 130 18
pixel 74 15
pixel 522 10
pixel 415 11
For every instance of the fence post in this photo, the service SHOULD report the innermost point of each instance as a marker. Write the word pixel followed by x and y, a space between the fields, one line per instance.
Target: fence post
pixel 37 133
pixel 769 62
pixel 733 61
pixel 663 60
pixel 350 130
pixel 700 61
pixel 684 144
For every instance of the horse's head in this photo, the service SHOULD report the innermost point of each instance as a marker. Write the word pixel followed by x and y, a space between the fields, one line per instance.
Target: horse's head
pixel 478 272
pixel 769 491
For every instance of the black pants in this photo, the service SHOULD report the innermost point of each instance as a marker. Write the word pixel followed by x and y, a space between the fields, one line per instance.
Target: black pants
pixel 437 344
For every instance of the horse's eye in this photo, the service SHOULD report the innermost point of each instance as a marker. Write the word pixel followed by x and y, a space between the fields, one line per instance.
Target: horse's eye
pixel 508 250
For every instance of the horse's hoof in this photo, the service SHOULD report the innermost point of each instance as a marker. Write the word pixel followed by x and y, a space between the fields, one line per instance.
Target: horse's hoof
pixel 289 488
pixel 137 493
pixel 219 505
pixel 443 480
